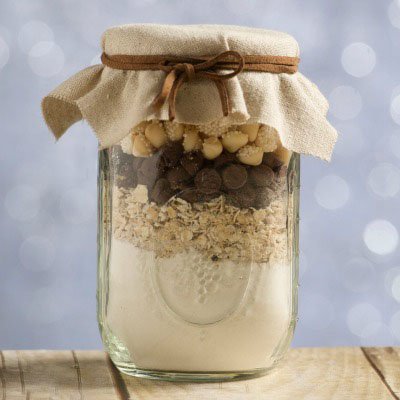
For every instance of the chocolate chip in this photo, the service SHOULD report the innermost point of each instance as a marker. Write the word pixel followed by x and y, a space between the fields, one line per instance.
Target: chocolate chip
pixel 234 176
pixel 177 175
pixel 214 258
pixel 210 196
pixel 190 195
pixel 161 192
pixel 281 172
pixel 149 166
pixel 192 162
pixel 271 160
pixel 261 176
pixel 264 197
pixel 245 197
pixel 172 153
pixel 208 181
pixel 224 158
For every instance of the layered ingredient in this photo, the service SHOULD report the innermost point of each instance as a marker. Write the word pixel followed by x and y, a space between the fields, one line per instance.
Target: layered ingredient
pixel 200 278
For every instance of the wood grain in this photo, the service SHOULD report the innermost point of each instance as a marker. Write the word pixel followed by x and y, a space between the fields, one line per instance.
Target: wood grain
pixel 305 374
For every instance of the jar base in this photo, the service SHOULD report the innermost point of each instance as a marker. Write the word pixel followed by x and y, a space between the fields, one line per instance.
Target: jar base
pixel 192 376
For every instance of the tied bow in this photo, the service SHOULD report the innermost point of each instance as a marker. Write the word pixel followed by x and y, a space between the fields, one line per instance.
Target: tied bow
pixel 178 73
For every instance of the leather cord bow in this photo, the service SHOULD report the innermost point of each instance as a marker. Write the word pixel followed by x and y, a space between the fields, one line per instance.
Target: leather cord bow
pixel 185 69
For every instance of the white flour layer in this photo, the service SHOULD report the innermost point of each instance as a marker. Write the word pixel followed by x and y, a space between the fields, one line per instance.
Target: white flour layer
pixel 179 314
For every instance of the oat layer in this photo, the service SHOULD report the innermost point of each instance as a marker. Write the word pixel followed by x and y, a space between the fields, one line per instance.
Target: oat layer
pixel 215 229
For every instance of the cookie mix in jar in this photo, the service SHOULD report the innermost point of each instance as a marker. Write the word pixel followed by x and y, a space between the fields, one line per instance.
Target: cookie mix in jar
pixel 200 132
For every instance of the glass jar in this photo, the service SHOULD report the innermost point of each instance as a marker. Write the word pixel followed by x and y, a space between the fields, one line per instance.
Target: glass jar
pixel 197 251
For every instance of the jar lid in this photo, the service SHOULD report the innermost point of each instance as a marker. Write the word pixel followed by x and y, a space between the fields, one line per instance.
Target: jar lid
pixel 196 40
pixel 114 100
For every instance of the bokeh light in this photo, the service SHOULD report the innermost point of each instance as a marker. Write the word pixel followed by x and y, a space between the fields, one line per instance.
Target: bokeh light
pixel 46 59
pixel 22 202
pixel 389 277
pixel 33 33
pixel 395 325
pixel 396 288
pixel 37 253
pixel 350 140
pixel 78 206
pixel 332 192
pixel 376 334
pixel 43 307
pixel 358 59
pixel 394 144
pixel 4 53
pixel 394 13
pixel 395 109
pixel 361 318
pixel 345 102
pixel 381 237
pixel 317 311
pixel 358 275
pixel 384 180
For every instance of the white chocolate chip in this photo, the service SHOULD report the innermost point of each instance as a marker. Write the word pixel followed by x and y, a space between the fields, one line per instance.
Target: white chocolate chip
pixel 267 138
pixel 212 148
pixel 191 141
pixel 234 140
pixel 250 155
pixel 141 146
pixel 174 131
pixel 251 130
pixel 140 194
pixel 140 128
pixel 126 144
pixel 155 134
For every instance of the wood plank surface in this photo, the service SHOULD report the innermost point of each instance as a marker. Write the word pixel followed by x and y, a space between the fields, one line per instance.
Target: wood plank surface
pixel 305 374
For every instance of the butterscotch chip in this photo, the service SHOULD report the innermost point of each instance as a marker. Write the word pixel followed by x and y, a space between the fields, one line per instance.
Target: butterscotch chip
pixel 261 176
pixel 208 181
pixel 234 176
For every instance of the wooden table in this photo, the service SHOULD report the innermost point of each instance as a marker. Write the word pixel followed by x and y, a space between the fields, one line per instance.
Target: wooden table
pixel 306 374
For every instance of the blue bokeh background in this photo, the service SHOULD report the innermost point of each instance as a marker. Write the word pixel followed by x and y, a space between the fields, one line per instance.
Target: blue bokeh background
pixel 350 264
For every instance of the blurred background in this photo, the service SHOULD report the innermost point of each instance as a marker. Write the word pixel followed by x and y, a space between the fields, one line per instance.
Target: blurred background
pixel 350 220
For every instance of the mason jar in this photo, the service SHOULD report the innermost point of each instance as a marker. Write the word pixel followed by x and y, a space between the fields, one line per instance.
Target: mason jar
pixel 200 130
pixel 198 251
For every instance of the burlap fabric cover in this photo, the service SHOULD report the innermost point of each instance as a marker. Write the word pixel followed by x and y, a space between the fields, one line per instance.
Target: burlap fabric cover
pixel 113 101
